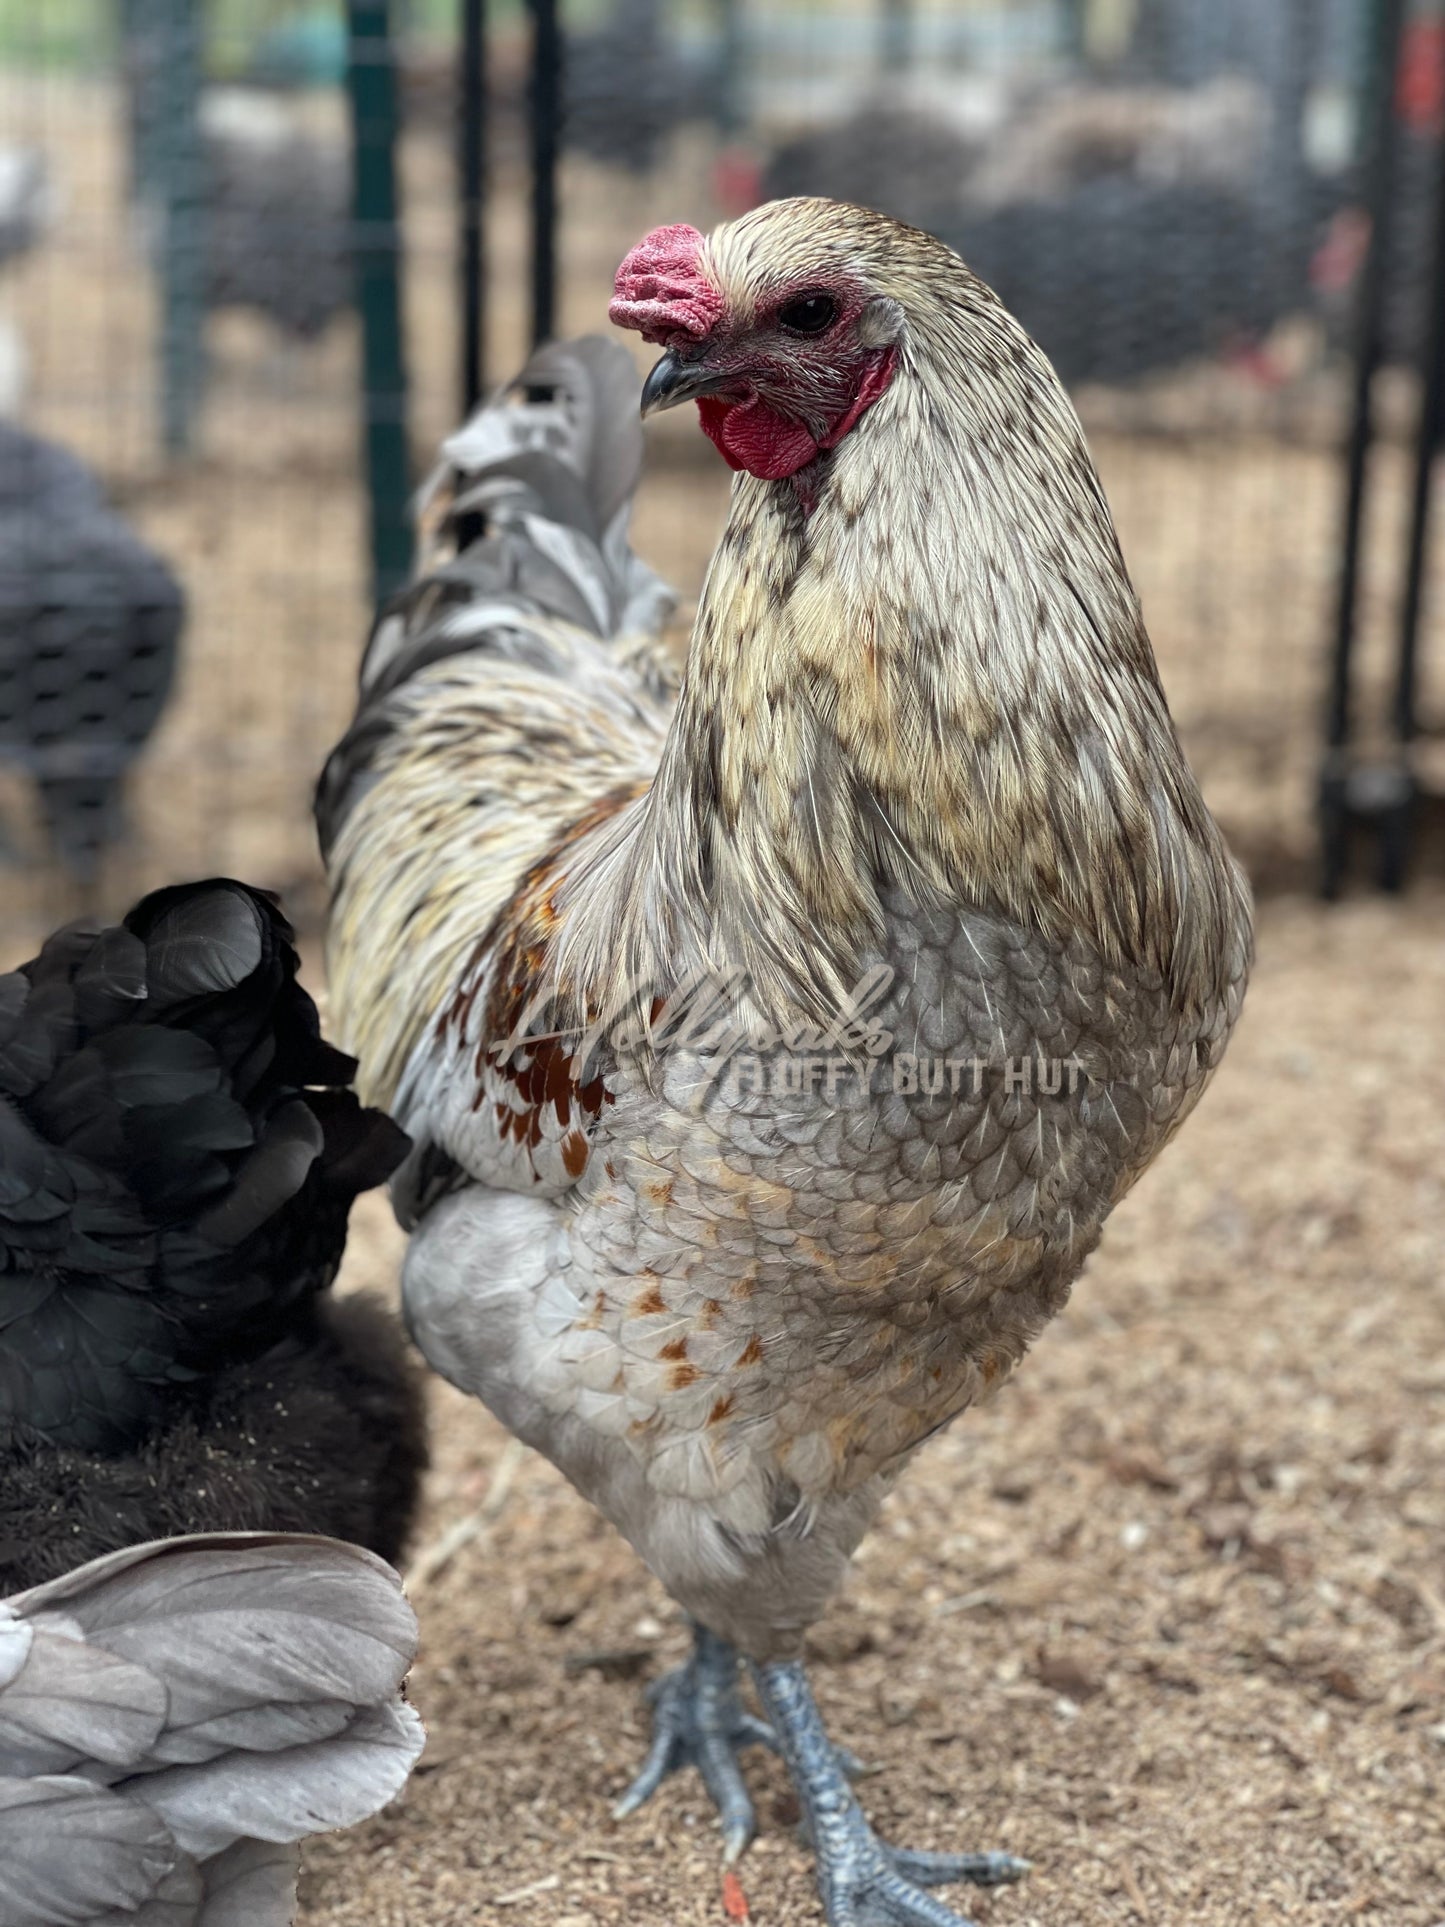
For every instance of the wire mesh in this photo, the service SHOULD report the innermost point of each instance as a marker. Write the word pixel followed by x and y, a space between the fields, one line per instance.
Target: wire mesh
pixel 205 371
pixel 1167 192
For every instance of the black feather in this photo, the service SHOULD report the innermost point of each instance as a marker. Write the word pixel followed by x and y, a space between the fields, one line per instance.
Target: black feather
pixel 179 1151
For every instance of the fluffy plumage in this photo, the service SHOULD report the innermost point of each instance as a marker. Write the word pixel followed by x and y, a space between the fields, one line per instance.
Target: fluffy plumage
pixel 920 743
pixel 487 700
pixel 325 1429
pixel 946 757
pixel 278 214
pixel 175 1718
pixel 179 1151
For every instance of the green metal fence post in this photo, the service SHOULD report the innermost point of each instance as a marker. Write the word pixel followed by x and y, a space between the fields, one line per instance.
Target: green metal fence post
pixel 372 81
pixel 169 49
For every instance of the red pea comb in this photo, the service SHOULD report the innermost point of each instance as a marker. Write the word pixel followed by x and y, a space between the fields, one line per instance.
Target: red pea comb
pixel 661 290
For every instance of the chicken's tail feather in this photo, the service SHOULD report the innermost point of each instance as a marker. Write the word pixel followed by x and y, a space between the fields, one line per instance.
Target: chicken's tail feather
pixel 527 514
pixel 515 687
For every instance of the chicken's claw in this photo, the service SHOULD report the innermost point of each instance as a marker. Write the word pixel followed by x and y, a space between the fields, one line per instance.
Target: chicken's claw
pixel 699 1720
pixel 863 1881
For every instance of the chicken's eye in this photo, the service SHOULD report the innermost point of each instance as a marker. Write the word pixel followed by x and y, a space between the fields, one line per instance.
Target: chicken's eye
pixel 808 314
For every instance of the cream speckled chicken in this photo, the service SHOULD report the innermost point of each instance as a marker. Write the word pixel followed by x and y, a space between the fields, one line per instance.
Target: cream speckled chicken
pixel 775 1055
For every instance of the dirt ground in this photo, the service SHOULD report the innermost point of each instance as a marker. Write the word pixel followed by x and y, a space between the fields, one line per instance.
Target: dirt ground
pixel 1169 1617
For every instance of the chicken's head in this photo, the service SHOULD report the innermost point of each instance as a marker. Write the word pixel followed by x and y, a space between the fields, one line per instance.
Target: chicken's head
pixel 774 325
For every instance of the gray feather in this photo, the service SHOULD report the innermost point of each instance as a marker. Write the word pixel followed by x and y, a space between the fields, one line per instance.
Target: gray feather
pixel 175 1903
pixel 250 1883
pixel 72 1852
pixel 73 1702
pixel 537 495
pixel 173 1718
pixel 286 1796
pixel 589 421
pixel 15 1638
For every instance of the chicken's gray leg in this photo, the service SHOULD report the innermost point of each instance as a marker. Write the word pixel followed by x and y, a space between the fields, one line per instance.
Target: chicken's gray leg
pixel 698 1720
pixel 863 1882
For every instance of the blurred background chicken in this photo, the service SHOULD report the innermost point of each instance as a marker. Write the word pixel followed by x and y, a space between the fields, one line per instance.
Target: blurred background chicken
pixel 630 55
pixel 1131 229
pixel 179 1151
pixel 175 1718
pixel 90 629
pixel 27 199
pixel 278 198
pixel 920 743
pixel 274 192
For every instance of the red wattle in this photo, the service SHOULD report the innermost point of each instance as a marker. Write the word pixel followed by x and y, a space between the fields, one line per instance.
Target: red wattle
pixel 750 435
pixel 772 446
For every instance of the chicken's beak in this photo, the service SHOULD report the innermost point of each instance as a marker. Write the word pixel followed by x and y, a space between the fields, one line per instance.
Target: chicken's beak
pixel 673 381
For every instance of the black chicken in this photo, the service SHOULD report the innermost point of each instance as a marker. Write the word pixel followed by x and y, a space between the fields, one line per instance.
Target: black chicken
pixel 278 214
pixel 1119 278
pixel 179 1152
pixel 90 628
pixel 629 85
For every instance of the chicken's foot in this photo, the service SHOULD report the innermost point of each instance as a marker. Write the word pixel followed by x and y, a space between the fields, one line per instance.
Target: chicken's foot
pixel 699 1720
pixel 863 1881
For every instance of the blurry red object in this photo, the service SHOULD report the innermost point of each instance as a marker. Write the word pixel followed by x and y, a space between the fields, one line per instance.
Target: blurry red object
pixel 737 180
pixel 1420 87
pixel 1340 255
pixel 735 1901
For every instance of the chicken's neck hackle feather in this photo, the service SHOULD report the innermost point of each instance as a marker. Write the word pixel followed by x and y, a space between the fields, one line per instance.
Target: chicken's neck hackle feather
pixel 921 661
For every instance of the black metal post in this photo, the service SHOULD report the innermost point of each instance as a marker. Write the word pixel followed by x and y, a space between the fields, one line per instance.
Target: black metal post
pixel 1293 62
pixel 141 56
pixel 1379 186
pixel 1076 29
pixel 1427 446
pixel 1380 180
pixel 472 169
pixel 728 110
pixel 546 146
pixel 371 77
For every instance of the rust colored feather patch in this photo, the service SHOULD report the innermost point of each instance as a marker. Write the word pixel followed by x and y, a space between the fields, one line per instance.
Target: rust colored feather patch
pixel 535 1083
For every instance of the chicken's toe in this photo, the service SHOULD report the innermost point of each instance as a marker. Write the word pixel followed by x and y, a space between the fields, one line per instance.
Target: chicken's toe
pixel 699 1720
pixel 943 1869
pixel 866 1883
pixel 863 1881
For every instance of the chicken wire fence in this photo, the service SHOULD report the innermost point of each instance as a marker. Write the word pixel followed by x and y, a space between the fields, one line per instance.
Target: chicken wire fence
pixel 185 568
pixel 1168 192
